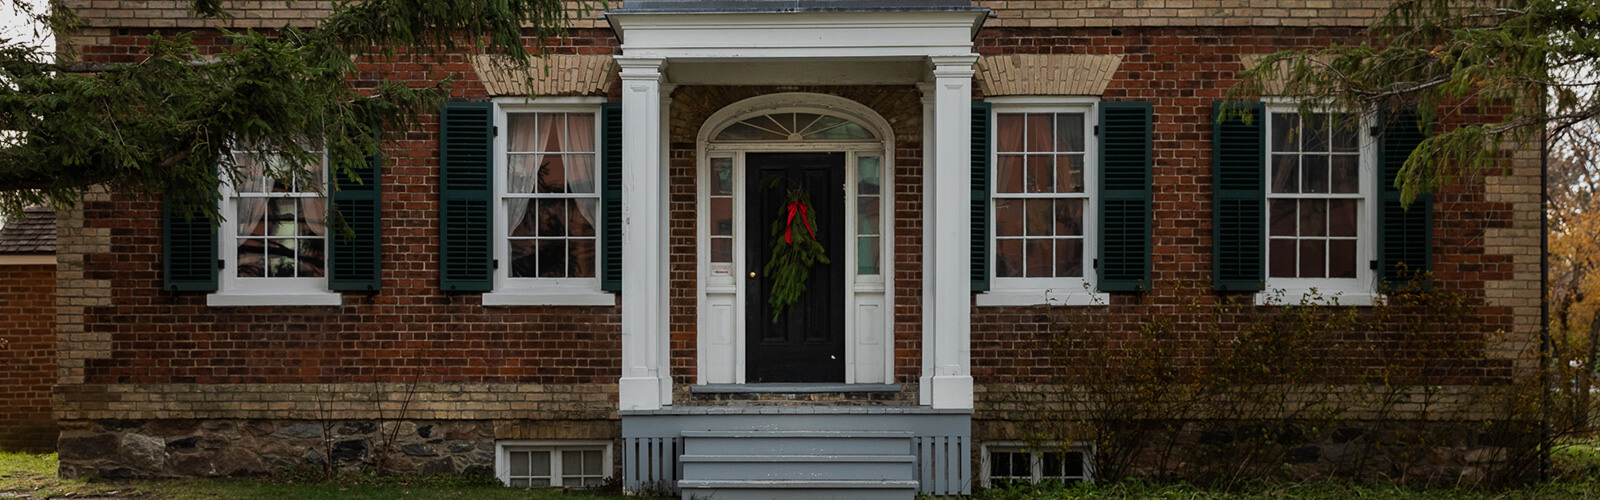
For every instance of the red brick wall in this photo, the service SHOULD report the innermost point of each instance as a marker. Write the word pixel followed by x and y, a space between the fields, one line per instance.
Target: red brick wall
pixel 411 327
pixel 1183 71
pixel 28 362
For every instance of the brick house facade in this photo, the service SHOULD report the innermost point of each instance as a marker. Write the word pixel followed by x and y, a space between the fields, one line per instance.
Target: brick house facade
pixel 489 366
pixel 27 334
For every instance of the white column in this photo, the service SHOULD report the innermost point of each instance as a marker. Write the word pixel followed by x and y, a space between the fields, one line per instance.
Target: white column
pixel 951 308
pixel 929 175
pixel 644 273
pixel 663 350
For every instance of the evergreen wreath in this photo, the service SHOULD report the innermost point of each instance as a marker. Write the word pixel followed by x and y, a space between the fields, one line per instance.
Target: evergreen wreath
pixel 794 249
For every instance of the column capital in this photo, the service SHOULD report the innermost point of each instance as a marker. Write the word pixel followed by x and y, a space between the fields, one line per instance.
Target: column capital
pixel 927 89
pixel 953 66
pixel 637 68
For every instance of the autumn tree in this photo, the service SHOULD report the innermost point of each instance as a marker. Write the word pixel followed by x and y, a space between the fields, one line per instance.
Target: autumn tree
pixel 168 120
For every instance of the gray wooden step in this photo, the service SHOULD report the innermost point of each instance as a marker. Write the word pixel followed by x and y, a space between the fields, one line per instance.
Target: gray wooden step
pixel 823 467
pixel 797 442
pixel 798 489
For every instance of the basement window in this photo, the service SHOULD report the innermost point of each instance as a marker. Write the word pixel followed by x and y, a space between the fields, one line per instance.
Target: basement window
pixel 553 464
pixel 1009 463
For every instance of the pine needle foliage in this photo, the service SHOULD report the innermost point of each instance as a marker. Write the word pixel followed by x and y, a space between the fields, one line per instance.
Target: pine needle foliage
pixel 794 251
pixel 164 125
pixel 1486 68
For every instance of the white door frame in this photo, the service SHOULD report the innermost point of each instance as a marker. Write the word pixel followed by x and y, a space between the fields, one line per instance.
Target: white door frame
pixel 720 298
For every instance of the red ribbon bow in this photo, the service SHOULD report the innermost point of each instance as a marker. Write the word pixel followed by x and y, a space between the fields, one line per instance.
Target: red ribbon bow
pixel 797 207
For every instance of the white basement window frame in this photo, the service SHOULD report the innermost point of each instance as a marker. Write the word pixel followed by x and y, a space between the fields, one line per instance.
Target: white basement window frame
pixel 553 464
pixel 1006 462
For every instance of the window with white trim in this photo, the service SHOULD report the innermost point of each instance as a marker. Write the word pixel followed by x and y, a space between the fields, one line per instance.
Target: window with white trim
pixel 274 237
pixel 1043 198
pixel 1319 181
pixel 1011 463
pixel 547 195
pixel 553 464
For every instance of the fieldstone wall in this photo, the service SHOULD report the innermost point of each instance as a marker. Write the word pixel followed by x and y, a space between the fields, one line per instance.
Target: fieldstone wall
pixel 223 448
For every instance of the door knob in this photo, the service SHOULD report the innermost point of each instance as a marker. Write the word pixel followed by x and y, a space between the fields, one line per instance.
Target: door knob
pixel 752 274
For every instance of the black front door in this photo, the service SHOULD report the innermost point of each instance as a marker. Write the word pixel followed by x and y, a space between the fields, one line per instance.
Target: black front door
pixel 806 344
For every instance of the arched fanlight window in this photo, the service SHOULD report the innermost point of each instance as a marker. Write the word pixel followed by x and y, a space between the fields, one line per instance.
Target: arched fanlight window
pixel 795 127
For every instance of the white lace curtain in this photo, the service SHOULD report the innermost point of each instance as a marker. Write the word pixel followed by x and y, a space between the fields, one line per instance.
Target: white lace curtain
pixel 549 170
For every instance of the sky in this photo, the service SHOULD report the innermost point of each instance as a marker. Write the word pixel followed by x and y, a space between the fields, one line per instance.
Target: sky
pixel 15 26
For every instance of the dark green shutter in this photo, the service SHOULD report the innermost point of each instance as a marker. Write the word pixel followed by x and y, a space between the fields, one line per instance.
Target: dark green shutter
pixel 981 147
pixel 1238 166
pixel 466 159
pixel 1125 160
pixel 611 197
pixel 354 256
pixel 189 243
pixel 1405 235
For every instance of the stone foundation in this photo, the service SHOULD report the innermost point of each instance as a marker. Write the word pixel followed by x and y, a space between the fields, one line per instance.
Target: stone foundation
pixel 222 448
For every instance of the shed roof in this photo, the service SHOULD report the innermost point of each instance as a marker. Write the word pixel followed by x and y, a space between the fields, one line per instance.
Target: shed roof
pixel 35 233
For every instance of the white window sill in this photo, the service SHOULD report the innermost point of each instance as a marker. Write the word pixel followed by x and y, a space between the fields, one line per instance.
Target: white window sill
pixel 586 298
pixel 1289 297
pixel 1048 297
pixel 308 298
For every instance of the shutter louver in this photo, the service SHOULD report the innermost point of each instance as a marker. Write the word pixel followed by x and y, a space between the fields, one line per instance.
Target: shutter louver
pixel 466 143
pixel 981 147
pixel 1125 161
pixel 355 256
pixel 1405 235
pixel 189 243
pixel 1238 163
pixel 611 197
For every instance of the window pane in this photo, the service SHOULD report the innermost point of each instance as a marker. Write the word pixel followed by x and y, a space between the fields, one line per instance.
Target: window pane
pixel 580 216
pixel 1282 258
pixel 552 174
pixel 867 255
pixel 1041 135
pixel 1069 132
pixel 580 174
pixel 1285 174
pixel 580 258
pixel 540 463
pixel 1342 258
pixel 313 217
pixel 848 131
pixel 251 216
pixel 1072 464
pixel 1285 139
pixel 552 217
pixel 1041 258
pixel 1313 258
pixel 1317 133
pixel 552 136
pixel 1069 174
pixel 519 483
pixel 520 136
pixel 280 258
pixel 1041 174
pixel 524 264
pixel 522 173
pixel 252 258
pixel 1008 258
pixel 522 217
pixel 1069 258
pixel 1342 217
pixel 744 131
pixel 519 463
pixel 538 483
pixel 1313 218
pixel 721 176
pixel 1000 464
pixel 1052 465
pixel 1041 217
pixel 1008 174
pixel 1314 175
pixel 580 133
pixel 1007 217
pixel 722 249
pixel 552 258
pixel 722 216
pixel 281 217
pixel 310 257
pixel 250 174
pixel 1008 132
pixel 867 215
pixel 868 180
pixel 571 463
pixel 1069 217
pixel 1284 217
pixel 1345 134
pixel 1346 173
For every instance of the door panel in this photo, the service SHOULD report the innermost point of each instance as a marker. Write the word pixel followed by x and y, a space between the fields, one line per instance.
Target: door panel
pixel 806 344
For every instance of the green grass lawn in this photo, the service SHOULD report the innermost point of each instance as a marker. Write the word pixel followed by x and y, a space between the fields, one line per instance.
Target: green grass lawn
pixel 28 476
